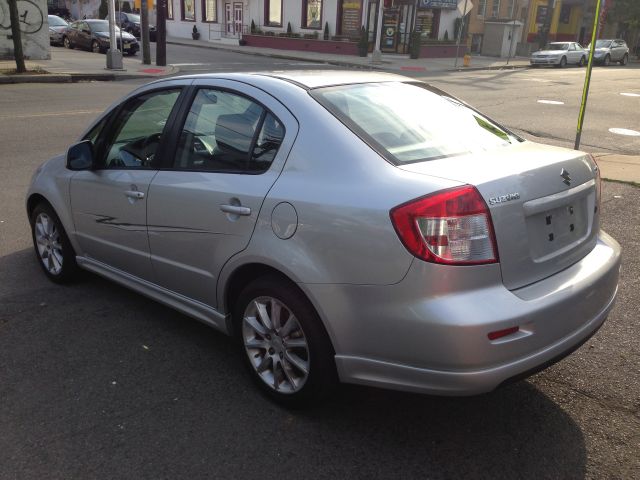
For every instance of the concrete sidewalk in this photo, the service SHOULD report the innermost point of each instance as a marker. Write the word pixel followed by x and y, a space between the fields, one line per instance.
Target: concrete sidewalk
pixel 390 62
pixel 77 65
pixel 622 168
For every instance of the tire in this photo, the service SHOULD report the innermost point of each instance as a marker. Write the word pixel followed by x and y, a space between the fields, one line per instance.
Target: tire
pixel 67 43
pixel 51 244
pixel 582 61
pixel 624 60
pixel 563 62
pixel 95 47
pixel 607 60
pixel 270 316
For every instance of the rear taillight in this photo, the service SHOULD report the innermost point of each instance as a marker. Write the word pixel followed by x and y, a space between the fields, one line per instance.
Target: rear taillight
pixel 452 226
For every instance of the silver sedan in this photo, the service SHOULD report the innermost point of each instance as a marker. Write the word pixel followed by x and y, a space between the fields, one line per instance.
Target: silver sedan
pixel 343 226
pixel 560 54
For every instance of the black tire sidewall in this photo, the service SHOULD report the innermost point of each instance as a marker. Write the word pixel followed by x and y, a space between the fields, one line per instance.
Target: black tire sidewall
pixel 69 265
pixel 322 371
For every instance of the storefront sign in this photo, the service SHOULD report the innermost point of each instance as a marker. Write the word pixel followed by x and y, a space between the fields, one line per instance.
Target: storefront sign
pixel 446 4
pixel 390 19
pixel 351 18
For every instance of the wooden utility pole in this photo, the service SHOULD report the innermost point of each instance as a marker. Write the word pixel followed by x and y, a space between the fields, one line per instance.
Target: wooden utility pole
pixel 144 32
pixel 16 34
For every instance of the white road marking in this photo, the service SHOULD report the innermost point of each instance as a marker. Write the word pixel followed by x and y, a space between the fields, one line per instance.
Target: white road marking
pixel 631 94
pixel 551 102
pixel 189 64
pixel 625 131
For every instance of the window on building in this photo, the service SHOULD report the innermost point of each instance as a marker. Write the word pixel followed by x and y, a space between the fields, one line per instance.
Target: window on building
pixel 312 14
pixel 188 10
pixel 512 9
pixel 209 11
pixel 495 9
pixel 482 8
pixel 170 9
pixel 273 12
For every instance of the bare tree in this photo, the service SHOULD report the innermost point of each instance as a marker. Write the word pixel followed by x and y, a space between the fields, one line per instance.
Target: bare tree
pixel 16 34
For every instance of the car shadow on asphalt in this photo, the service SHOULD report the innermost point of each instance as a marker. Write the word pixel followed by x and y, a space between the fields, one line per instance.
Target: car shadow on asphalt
pixel 97 375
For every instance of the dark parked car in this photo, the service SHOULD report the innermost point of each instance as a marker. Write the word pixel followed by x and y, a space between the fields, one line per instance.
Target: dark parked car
pixel 608 51
pixel 130 22
pixel 57 27
pixel 94 35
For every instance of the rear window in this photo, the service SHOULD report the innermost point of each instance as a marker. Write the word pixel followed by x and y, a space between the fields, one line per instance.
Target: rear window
pixel 407 122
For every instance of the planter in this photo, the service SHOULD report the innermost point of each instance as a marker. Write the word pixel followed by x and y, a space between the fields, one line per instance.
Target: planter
pixel 195 36
pixel 302 44
pixel 440 50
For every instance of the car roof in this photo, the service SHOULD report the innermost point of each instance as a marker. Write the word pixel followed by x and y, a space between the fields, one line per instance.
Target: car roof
pixel 308 79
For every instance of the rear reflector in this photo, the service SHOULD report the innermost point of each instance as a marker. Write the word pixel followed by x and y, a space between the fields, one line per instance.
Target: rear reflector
pixel 452 227
pixel 502 333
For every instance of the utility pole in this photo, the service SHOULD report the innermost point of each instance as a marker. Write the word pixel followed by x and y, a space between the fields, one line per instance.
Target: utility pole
pixel 161 34
pixel 464 15
pixel 114 56
pixel 16 35
pixel 144 32
pixel 376 56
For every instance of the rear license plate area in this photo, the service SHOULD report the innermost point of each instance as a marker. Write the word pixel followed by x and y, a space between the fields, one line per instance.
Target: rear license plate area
pixel 558 228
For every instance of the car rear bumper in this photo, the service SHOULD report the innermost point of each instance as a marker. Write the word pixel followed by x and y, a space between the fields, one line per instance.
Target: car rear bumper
pixel 418 337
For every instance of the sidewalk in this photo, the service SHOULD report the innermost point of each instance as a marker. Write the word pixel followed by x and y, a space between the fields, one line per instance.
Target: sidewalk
pixel 68 66
pixel 394 62
pixel 622 168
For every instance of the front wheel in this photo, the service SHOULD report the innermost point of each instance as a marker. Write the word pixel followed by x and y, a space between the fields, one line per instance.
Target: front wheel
pixel 53 249
pixel 582 62
pixel 286 347
pixel 95 46
pixel 563 62
pixel 607 60
pixel 66 42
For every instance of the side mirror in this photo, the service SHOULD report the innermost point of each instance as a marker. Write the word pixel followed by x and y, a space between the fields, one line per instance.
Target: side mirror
pixel 80 156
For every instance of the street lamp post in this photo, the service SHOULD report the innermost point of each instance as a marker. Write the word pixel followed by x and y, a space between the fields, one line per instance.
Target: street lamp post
pixel 114 56
pixel 376 57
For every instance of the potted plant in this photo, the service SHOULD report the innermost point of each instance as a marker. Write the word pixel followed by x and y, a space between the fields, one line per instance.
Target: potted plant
pixel 289 31
pixel 195 34
pixel 253 27
pixel 363 42
pixel 326 30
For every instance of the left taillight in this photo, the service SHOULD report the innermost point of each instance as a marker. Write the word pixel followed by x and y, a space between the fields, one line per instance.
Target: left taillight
pixel 450 227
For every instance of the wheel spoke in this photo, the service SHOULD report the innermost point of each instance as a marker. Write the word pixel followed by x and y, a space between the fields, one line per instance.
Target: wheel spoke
pixel 257 343
pixel 289 326
pixel 264 364
pixel 40 228
pixel 285 368
pixel 257 327
pixel 297 362
pixel 276 314
pixel 296 343
pixel 57 258
pixel 264 316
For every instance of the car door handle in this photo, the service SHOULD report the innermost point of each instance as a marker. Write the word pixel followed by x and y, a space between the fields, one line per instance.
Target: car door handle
pixel 236 209
pixel 134 194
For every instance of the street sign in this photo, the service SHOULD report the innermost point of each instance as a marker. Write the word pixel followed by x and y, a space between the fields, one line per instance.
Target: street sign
pixel 461 7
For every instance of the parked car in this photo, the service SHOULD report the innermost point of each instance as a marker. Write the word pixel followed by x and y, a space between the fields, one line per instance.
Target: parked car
pixel 560 54
pixel 130 22
pixel 336 229
pixel 94 35
pixel 608 51
pixel 57 27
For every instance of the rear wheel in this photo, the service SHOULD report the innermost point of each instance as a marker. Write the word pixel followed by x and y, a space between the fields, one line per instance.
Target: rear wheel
pixel 286 347
pixel 563 62
pixel 53 249
pixel 66 42
pixel 95 46
pixel 624 60
pixel 607 60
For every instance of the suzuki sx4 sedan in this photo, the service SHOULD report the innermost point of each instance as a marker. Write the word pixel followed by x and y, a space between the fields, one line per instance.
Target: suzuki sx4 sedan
pixel 342 226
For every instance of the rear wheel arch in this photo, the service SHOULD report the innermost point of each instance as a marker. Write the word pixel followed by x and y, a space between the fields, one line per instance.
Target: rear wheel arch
pixel 34 200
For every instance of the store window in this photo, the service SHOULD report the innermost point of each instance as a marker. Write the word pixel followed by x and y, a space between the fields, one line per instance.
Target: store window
pixel 188 10
pixel 273 13
pixel 312 14
pixel 169 9
pixel 495 10
pixel 209 11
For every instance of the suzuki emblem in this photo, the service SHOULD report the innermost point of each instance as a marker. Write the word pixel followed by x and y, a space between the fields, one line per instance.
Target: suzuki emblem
pixel 567 179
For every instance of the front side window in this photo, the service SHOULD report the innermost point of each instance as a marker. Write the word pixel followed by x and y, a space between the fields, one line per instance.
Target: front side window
pixel 409 123
pixel 137 130
pixel 209 11
pixel 226 132
pixel 312 14
pixel 273 12
pixel 189 10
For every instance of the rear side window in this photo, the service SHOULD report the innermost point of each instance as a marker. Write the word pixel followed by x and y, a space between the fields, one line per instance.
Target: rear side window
pixel 409 123
pixel 227 132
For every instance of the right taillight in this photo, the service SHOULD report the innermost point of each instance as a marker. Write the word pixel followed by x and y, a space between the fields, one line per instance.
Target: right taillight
pixel 452 227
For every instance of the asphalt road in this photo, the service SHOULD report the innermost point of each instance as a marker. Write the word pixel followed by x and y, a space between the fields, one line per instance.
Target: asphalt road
pixel 99 382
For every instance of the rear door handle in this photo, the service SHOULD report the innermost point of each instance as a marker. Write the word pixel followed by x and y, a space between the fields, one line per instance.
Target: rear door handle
pixel 236 209
pixel 134 194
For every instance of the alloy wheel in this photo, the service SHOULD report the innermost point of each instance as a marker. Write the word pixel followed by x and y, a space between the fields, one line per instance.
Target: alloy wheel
pixel 48 243
pixel 95 47
pixel 276 344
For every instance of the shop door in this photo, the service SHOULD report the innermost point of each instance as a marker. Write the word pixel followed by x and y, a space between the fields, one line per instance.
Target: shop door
pixel 228 19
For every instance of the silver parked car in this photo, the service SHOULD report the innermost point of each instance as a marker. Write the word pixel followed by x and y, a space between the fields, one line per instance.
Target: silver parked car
pixel 560 54
pixel 607 51
pixel 352 226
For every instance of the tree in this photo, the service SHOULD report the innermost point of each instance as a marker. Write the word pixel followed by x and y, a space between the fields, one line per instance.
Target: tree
pixel 103 10
pixel 627 14
pixel 18 54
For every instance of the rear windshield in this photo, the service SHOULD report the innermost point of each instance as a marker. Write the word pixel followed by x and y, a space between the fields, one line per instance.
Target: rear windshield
pixel 407 122
pixel 56 21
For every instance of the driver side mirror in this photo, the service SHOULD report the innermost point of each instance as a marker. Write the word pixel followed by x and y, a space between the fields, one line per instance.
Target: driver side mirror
pixel 80 156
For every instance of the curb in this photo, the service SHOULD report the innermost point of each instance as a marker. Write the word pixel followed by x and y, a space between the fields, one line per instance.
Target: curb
pixel 77 77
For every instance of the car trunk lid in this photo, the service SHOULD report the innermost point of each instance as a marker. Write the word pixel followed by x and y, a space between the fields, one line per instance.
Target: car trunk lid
pixel 543 203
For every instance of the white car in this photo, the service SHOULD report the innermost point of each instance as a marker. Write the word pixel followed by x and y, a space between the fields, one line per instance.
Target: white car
pixel 560 54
